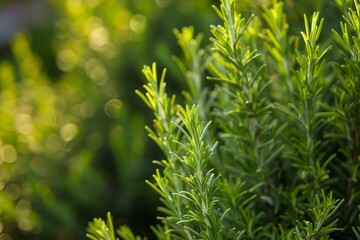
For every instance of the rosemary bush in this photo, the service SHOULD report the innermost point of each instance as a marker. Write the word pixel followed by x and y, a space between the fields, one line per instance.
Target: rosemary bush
pixel 264 142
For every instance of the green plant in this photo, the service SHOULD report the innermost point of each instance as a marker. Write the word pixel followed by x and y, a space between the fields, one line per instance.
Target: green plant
pixel 268 147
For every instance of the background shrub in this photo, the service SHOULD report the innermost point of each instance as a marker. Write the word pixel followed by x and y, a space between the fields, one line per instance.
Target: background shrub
pixel 72 142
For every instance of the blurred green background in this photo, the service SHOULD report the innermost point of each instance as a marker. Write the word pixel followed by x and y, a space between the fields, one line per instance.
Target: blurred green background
pixel 72 139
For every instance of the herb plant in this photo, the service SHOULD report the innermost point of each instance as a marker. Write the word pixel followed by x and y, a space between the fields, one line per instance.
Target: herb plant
pixel 265 141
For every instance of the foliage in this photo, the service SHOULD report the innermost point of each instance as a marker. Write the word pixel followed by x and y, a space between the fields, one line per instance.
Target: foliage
pixel 268 147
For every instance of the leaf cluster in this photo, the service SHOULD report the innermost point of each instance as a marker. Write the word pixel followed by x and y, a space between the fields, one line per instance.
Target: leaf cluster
pixel 264 158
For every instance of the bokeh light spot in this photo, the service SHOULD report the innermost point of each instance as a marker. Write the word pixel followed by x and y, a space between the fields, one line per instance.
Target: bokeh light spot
pixel 8 154
pixel 138 23
pixel 24 124
pixel 112 108
pixel 75 6
pixel 96 71
pixel 53 143
pixel 63 26
pixel 121 20
pixel 98 39
pixel 23 208
pixel 25 225
pixel 87 109
pixel 66 60
pixel 110 51
pixel 5 236
pixel 68 132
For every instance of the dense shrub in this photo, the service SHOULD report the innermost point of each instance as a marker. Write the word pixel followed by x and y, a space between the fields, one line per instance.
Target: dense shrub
pixel 72 142
pixel 268 146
